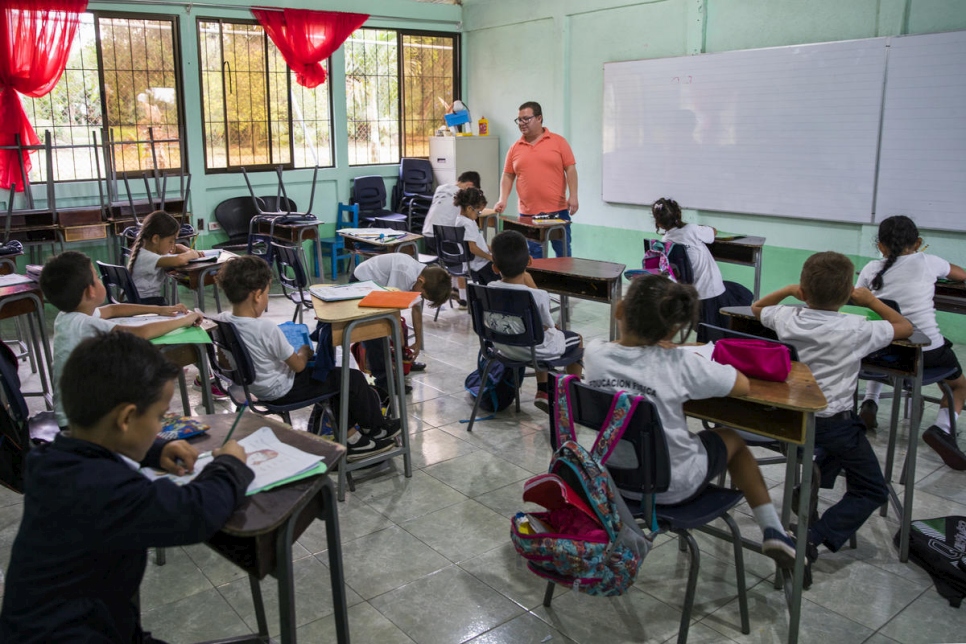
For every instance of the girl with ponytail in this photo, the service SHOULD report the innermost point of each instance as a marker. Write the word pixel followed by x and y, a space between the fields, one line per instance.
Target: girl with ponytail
pixel 654 313
pixel 154 250
pixel 908 277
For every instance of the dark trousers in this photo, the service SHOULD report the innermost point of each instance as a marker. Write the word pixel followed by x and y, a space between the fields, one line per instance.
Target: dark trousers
pixel 841 446
pixel 536 250
pixel 365 409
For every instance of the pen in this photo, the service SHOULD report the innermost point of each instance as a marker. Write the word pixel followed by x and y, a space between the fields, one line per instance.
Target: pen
pixel 241 410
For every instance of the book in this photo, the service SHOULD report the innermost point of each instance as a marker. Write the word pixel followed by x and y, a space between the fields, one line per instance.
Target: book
pixel 208 256
pixel 390 299
pixel 13 279
pixel 296 334
pixel 354 291
pixel 177 427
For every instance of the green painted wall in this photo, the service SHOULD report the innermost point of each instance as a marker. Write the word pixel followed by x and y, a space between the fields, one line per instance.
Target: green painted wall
pixel 553 51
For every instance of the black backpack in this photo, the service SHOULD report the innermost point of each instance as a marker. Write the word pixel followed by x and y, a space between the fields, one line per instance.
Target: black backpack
pixel 500 391
pixel 939 547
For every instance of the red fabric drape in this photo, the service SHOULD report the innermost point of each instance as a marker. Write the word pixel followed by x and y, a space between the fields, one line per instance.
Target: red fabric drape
pixel 306 38
pixel 35 41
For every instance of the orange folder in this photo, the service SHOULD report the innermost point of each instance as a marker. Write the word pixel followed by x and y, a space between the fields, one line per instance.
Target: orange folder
pixel 390 299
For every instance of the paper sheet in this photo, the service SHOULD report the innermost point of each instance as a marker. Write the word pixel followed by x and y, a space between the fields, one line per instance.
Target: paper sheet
pixel 354 291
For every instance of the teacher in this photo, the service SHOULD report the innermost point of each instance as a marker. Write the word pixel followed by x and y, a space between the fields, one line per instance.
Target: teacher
pixel 545 166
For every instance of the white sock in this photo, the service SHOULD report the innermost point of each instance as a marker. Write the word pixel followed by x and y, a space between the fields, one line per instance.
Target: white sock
pixel 942 420
pixel 872 390
pixel 767 517
pixel 354 438
pixel 462 293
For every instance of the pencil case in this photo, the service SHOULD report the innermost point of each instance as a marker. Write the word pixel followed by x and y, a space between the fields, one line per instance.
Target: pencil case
pixel 759 359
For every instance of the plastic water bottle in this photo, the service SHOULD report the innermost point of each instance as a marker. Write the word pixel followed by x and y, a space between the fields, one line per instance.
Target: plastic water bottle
pixel 484 126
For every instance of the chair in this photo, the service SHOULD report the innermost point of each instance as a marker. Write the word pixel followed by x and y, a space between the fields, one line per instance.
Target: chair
pixel 413 192
pixel 234 216
pixel 274 209
pixel 678 258
pixel 370 194
pixel 233 367
pixel 119 283
pixel 346 217
pixel 452 252
pixel 640 466
pixel 509 317
pixel 293 278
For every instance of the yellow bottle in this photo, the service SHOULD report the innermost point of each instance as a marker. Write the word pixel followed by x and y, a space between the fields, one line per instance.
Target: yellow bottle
pixel 484 127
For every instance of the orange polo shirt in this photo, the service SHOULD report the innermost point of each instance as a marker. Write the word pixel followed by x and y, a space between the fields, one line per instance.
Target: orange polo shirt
pixel 539 169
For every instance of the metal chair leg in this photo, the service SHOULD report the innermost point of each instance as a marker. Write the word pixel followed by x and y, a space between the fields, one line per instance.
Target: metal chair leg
pixel 739 572
pixel 476 403
pixel 692 546
pixel 548 595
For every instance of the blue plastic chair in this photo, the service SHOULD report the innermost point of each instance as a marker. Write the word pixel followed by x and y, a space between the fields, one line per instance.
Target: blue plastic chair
pixel 510 303
pixel 334 247
pixel 640 466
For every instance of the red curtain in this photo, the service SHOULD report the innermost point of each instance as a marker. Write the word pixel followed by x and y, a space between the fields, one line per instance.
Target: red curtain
pixel 35 41
pixel 306 38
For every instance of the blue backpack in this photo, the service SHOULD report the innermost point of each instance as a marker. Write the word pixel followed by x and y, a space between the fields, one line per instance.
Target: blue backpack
pixel 499 392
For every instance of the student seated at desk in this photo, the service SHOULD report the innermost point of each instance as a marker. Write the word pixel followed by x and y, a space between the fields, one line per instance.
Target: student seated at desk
pixel 399 270
pixel 833 344
pixel 908 278
pixel 511 256
pixel 713 291
pixel 644 362
pixel 89 515
pixel 154 250
pixel 281 375
pixel 70 283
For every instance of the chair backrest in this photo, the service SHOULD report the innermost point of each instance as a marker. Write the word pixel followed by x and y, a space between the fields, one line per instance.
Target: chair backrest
pixel 14 430
pixel 416 176
pixel 369 193
pixel 291 271
pixel 118 281
pixel 715 333
pixel 640 464
pixel 678 257
pixel 230 360
pixel 272 203
pixel 454 253
pixel 234 215
pixel 347 216
pixel 10 382
pixel 505 316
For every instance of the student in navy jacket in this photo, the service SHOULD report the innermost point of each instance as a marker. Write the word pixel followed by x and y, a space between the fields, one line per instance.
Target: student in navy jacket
pixel 89 516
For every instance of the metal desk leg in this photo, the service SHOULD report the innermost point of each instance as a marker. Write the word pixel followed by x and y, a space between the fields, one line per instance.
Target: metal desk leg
pixel 400 400
pixel 259 606
pixel 757 272
pixel 286 581
pixel 336 574
pixel 342 428
pixel 794 593
pixel 45 369
pixel 910 487
pixel 205 378
pixel 616 295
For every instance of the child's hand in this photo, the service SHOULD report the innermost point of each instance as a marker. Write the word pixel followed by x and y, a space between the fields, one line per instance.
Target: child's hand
pixel 863 297
pixel 232 448
pixel 191 319
pixel 306 352
pixel 178 457
pixel 174 310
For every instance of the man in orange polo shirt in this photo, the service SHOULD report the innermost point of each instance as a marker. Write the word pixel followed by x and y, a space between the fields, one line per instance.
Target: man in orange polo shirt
pixel 545 166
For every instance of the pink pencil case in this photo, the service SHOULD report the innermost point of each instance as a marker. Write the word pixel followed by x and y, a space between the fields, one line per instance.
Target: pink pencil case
pixel 755 358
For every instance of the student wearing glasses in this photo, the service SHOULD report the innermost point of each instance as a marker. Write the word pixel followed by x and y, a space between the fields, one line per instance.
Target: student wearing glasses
pixel 545 169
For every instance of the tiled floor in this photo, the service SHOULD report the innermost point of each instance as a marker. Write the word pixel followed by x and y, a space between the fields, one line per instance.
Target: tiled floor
pixel 428 559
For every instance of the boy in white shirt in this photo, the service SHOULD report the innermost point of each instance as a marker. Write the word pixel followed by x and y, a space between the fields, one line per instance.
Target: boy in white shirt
pixel 833 344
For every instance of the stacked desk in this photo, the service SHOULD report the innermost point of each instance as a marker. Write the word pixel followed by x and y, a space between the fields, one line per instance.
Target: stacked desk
pixel 537 230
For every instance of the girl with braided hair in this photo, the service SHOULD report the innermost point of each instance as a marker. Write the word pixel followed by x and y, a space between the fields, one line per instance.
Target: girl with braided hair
pixel 908 277
pixel 154 250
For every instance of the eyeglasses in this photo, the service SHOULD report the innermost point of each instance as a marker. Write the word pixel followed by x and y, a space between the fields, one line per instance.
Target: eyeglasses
pixel 523 120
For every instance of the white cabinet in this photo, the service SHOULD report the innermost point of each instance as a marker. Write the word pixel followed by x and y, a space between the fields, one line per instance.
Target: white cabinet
pixel 453 155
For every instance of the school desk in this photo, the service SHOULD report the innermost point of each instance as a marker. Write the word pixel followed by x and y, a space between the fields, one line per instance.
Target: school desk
pixel 586 279
pixel 490 220
pixel 258 537
pixel 537 230
pixel 27 300
pixel 353 323
pixel 362 246
pixel 293 233
pixel 199 275
pixel 950 297
pixel 904 362
pixel 186 354
pixel 784 411
pixel 743 250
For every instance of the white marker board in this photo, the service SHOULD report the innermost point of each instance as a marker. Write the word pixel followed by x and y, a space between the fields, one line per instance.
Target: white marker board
pixel 788 131
pixel 922 170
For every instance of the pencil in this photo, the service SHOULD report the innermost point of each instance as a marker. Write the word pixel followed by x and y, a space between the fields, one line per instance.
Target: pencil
pixel 241 410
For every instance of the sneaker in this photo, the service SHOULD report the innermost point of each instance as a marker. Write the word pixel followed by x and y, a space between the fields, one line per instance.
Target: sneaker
pixel 366 447
pixel 812 496
pixel 462 304
pixel 417 366
pixel 542 402
pixel 944 444
pixel 778 546
pixel 867 412
pixel 390 429
pixel 216 391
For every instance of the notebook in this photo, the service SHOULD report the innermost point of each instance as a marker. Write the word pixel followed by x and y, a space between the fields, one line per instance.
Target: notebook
pixel 208 256
pixel 354 291
pixel 296 334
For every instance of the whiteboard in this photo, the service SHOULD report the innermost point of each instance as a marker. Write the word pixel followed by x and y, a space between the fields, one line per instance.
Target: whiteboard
pixel 922 171
pixel 789 131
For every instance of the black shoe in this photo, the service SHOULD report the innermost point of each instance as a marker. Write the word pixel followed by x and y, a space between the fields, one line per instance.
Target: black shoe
pixel 812 496
pixel 867 412
pixel 366 447
pixel 944 444
pixel 391 428
pixel 417 366
pixel 462 304
pixel 811 556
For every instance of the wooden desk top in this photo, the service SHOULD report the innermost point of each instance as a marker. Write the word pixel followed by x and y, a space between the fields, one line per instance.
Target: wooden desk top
pixel 200 267
pixel 589 268
pixel 344 311
pixel 799 392
pixel 740 240
pixel 266 511
pixel 529 222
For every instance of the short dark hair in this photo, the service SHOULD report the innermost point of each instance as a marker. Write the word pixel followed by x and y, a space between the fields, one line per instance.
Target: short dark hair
pixel 112 369
pixel 655 307
pixel 470 176
pixel 510 253
pixel 532 105
pixel 242 275
pixel 827 280
pixel 437 286
pixel 64 279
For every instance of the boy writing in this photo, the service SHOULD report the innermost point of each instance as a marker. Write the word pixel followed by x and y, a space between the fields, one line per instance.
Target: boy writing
pixel 89 516
pixel 833 344
pixel 70 283
pixel 510 260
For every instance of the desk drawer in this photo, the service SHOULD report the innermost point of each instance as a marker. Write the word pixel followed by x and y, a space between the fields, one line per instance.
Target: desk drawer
pixel 82 233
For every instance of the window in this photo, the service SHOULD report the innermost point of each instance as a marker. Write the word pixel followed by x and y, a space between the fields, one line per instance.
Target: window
pixel 254 113
pixel 394 104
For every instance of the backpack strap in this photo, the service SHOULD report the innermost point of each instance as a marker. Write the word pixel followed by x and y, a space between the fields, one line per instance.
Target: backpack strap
pixel 618 417
pixel 564 425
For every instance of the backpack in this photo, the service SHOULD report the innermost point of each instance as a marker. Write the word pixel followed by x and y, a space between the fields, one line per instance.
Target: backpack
pixel 500 390
pixel 587 539
pixel 657 260
pixel 939 547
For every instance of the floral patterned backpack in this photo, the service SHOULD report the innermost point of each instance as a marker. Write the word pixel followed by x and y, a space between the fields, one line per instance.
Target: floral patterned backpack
pixel 587 537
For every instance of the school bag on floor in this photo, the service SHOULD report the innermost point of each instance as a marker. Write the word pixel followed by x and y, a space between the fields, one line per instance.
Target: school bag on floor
pixel 500 390
pixel 587 539
pixel 939 547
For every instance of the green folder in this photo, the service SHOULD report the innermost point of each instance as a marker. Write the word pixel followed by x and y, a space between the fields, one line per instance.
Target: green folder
pixel 304 474
pixel 861 311
pixel 184 335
